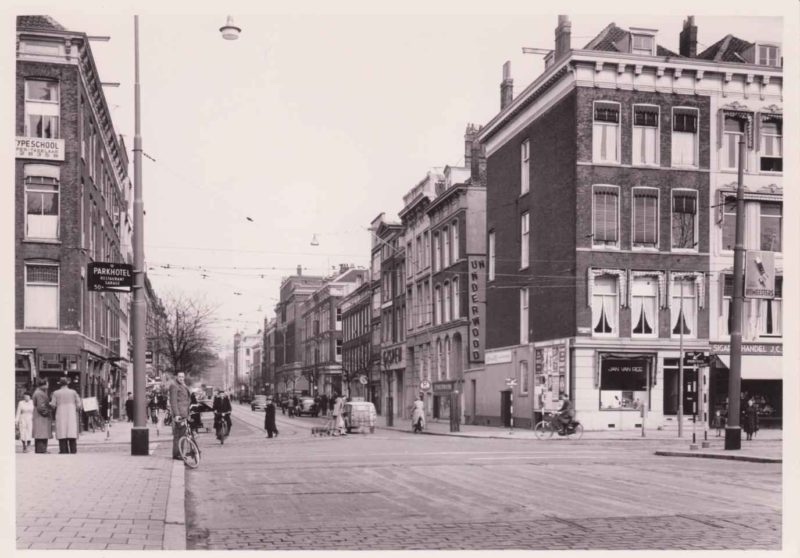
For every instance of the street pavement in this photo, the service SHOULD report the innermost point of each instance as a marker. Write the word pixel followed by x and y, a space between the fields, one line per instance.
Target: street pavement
pixel 395 490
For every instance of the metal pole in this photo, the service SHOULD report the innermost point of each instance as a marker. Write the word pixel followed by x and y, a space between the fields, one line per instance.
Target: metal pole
pixel 139 432
pixel 733 434
pixel 511 411
pixel 681 321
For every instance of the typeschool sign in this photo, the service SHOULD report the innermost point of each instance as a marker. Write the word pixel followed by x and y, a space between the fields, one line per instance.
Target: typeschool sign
pixel 39 148
pixel 108 276
pixel 477 307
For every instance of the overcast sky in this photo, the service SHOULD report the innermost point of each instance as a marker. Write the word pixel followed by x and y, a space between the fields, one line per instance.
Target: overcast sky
pixel 311 124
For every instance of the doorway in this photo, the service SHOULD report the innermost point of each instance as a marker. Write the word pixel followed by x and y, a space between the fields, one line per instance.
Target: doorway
pixel 671 380
pixel 505 407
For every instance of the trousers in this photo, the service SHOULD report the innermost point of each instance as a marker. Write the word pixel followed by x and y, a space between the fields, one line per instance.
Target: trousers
pixel 67 445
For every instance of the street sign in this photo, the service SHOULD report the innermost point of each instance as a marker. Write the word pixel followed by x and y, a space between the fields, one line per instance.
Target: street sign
pixel 109 276
pixel 363 379
pixel 695 358
pixel 759 274
pixel 424 385
pixel 511 382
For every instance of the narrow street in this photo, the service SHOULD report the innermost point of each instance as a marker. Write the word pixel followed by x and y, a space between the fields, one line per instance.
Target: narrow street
pixel 391 490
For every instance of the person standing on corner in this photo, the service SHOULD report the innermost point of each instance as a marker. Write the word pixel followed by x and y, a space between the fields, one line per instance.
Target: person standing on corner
pixel 67 404
pixel 269 419
pixel 338 418
pixel 179 399
pixel 42 417
pixel 24 420
pixel 129 407
pixel 750 418
pixel 323 404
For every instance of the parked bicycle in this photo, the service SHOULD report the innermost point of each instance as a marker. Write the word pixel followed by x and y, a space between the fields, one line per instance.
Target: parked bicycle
pixel 187 445
pixel 550 425
pixel 96 422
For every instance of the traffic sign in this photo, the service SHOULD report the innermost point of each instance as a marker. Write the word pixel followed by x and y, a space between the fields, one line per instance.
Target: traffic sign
pixel 695 358
pixel 511 382
pixel 363 379
pixel 424 385
pixel 110 276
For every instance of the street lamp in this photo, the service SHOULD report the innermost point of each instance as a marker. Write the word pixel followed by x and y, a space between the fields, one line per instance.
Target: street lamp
pixel 229 31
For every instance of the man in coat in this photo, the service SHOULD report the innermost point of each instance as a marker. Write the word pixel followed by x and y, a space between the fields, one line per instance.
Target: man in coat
pixel 222 410
pixel 269 418
pixel 129 407
pixel 179 398
pixel 67 404
pixel 42 421
pixel 323 404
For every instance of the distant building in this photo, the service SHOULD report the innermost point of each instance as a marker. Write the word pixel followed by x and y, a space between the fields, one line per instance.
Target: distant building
pixel 356 314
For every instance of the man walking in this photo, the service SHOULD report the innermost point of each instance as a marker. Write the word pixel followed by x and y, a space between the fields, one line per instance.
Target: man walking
pixel 269 418
pixel 67 404
pixel 129 407
pixel 179 399
pixel 42 421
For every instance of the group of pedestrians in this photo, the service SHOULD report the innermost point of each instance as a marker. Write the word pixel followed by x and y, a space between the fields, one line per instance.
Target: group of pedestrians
pixel 36 415
pixel 333 405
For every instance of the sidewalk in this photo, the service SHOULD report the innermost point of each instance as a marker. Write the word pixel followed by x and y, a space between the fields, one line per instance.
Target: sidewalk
pixel 101 498
pixel 767 447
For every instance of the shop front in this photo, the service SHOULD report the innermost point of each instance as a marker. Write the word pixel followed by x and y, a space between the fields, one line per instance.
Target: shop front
pixel 393 364
pixel 442 392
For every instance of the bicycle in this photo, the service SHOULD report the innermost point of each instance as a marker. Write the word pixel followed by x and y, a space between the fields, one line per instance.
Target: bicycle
pixel 222 426
pixel 187 445
pixel 545 428
pixel 96 422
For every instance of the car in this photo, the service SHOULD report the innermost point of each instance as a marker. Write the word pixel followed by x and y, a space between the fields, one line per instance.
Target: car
pixel 305 406
pixel 245 398
pixel 259 403
pixel 359 415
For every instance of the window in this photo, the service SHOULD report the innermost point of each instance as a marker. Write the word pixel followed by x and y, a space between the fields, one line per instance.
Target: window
pixel 426 250
pixel 684 316
pixel 447 302
pixel 491 256
pixel 426 309
pixel 771 312
pixel 438 360
pixel 456 250
pixel 768 55
pixel 645 135
pixel 523 316
pixel 437 302
pixel 420 309
pixel 338 349
pixel 524 247
pixel 44 48
pixel 684 137
pixel 42 109
pixel 605 307
pixel 623 383
pixel 605 132
pixel 437 251
pixel 771 221
pixel 771 143
pixel 41 295
pixel 729 223
pixel 525 167
pixel 409 259
pixel 644 307
pixel 645 217
pixel 41 201
pixel 733 131
pixel 524 380
pixel 456 300
pixel 419 263
pixel 446 247
pixel 605 220
pixel 684 219
pixel 447 358
pixel 642 44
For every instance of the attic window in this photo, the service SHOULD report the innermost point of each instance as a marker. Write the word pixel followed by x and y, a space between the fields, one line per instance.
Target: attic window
pixel 642 44
pixel 768 55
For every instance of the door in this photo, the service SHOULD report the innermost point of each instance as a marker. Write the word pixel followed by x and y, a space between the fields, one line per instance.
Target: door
pixel 474 419
pixel 671 377
pixel 505 407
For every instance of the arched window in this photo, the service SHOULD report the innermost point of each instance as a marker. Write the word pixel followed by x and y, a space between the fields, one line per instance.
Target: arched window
pixel 438 359
pixel 446 309
pixel 447 358
pixel 456 300
pixel 454 228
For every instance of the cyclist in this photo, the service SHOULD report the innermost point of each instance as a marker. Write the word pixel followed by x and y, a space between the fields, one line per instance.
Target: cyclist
pixel 222 411
pixel 179 399
pixel 565 413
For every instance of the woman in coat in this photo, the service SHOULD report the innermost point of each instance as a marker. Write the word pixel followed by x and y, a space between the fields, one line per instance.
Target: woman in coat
pixel 750 419
pixel 418 415
pixel 24 420
pixel 269 418
pixel 42 427
pixel 67 403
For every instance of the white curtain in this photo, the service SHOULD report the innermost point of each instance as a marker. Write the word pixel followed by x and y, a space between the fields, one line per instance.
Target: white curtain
pixel 604 142
pixel 684 148
pixel 41 306
pixel 645 142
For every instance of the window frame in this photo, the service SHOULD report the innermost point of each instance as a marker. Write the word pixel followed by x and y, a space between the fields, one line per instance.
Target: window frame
pixel 27 113
pixel 616 245
pixel 455 297
pixel 656 309
pixel 618 147
pixel 524 240
pixel 762 310
pixel 641 51
pixel 761 135
pixel 57 286
pixel 675 308
pixel 725 198
pixel 615 330
pixel 445 235
pixel 725 144
pixel 696 135
pixel 454 242
pixel 524 316
pixel 40 189
pixel 760 62
pixel 492 250
pixel 655 246
pixel 634 126
pixel 524 167
pixel 696 230
pixel 524 377
pixel 762 216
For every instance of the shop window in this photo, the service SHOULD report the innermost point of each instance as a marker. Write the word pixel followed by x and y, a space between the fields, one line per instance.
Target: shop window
pixel 684 137
pixel 771 221
pixel 605 132
pixel 645 218
pixel 42 109
pixel 644 307
pixel 771 143
pixel 623 383
pixel 605 307
pixel 645 135
pixel 605 218
pixel 41 295
pixel 684 219
pixel 684 308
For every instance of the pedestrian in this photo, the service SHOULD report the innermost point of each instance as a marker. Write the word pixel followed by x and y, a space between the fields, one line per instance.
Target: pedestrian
pixel 179 399
pixel 129 407
pixel 67 404
pixel 151 408
pixel 418 415
pixel 317 402
pixel 323 404
pixel 42 417
pixel 331 402
pixel 750 418
pixel 269 418
pixel 161 406
pixel 338 417
pixel 24 421
pixel 292 403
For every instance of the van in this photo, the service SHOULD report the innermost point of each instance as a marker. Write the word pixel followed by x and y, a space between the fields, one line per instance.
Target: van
pixel 359 415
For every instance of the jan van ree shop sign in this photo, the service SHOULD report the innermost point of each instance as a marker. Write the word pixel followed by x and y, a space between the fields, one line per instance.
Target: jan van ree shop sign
pixel 39 148
pixel 108 276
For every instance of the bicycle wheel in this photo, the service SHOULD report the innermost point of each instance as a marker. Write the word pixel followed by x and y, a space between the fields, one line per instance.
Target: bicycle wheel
pixel 190 453
pixel 543 430
pixel 222 432
pixel 577 433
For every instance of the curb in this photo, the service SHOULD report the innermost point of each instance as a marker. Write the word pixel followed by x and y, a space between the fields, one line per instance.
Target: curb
pixel 175 521
pixel 751 458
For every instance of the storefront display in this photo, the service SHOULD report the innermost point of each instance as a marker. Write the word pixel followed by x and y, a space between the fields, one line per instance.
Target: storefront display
pixel 625 381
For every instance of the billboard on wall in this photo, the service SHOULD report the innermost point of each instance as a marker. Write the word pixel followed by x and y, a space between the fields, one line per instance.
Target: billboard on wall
pixel 551 373
pixel 477 307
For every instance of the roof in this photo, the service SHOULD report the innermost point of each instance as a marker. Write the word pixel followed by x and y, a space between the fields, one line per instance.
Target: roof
pixel 725 50
pixel 38 23
pixel 609 37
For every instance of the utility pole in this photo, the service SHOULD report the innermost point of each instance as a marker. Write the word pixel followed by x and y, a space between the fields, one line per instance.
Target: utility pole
pixel 140 434
pixel 733 433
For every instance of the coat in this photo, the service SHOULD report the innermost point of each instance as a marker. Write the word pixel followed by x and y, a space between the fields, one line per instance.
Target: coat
pixel 24 420
pixel 269 417
pixel 42 421
pixel 418 412
pixel 338 406
pixel 750 419
pixel 179 399
pixel 67 403
pixel 221 405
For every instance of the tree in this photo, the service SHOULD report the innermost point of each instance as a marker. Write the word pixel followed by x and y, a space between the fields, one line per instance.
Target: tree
pixel 187 344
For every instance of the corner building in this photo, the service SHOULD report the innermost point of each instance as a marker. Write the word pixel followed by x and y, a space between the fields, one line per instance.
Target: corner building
pixel 597 232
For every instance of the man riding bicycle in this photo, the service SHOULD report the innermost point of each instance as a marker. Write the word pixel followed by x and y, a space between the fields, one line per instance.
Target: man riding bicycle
pixel 565 413
pixel 222 410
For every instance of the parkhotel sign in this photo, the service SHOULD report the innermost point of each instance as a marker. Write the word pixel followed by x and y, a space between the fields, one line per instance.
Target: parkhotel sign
pixel 39 148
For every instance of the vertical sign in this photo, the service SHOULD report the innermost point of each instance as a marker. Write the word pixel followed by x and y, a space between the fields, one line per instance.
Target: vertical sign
pixel 551 372
pixel 477 307
pixel 759 274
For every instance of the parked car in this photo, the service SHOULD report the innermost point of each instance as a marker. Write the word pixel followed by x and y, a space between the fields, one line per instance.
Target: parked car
pixel 259 403
pixel 305 406
pixel 359 415
pixel 245 398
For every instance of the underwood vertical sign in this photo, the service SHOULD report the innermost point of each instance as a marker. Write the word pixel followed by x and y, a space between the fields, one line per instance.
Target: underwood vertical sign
pixel 477 307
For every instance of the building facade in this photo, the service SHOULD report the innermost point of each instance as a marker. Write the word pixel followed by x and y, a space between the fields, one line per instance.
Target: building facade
pixel 356 311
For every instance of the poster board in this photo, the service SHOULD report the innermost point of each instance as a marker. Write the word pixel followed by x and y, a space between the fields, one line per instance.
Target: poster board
pixel 90 404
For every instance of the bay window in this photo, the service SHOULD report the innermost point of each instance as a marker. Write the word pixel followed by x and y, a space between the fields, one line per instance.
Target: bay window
pixel 645 134
pixel 684 137
pixel 684 219
pixel 605 306
pixel 605 215
pixel 605 132
pixel 645 217
pixel 684 308
pixel 41 295
pixel 42 109
pixel 644 307
pixel 771 143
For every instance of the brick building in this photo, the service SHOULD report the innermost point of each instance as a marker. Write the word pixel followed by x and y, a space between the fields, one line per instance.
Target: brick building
pixel 597 230
pixel 72 196
pixel 356 311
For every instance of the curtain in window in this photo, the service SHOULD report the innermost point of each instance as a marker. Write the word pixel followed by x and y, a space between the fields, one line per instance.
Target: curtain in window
pixel 644 314
pixel 605 306
pixel 771 135
pixel 605 132
pixel 684 316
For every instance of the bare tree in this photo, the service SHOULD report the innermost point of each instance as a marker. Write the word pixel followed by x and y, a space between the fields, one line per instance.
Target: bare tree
pixel 187 344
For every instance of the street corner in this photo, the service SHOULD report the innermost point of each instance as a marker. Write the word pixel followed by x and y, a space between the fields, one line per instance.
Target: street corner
pixel 731 455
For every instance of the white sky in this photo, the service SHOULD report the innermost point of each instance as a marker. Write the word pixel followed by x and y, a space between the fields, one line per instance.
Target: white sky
pixel 312 123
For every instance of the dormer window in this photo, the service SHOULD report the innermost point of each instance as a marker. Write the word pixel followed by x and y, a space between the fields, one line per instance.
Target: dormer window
pixel 768 55
pixel 642 44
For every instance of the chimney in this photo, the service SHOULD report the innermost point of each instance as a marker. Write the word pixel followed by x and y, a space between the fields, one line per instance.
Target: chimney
pixel 506 86
pixel 474 156
pixel 688 38
pixel 299 270
pixel 563 37
pixel 343 267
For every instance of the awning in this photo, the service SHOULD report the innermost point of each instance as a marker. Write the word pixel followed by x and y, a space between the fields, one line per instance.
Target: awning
pixel 758 367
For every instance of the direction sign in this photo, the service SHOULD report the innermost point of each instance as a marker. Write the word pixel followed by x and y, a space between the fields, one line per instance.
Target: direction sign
pixel 694 358
pixel 425 385
pixel 109 276
pixel 363 379
pixel 511 382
